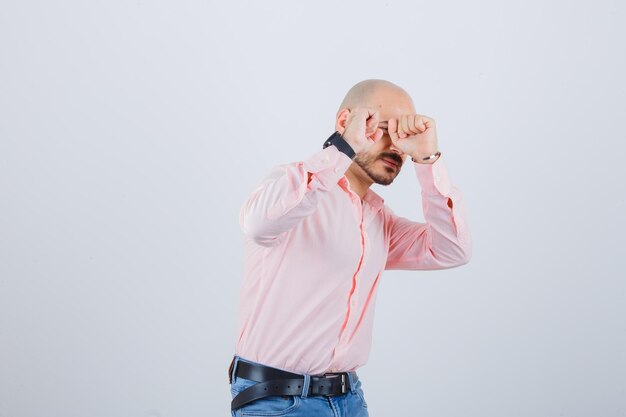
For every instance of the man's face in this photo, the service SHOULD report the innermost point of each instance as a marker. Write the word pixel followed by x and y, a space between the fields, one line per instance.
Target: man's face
pixel 382 163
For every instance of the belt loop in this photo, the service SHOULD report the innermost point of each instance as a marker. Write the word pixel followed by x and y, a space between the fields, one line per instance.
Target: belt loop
pixel 234 368
pixel 305 386
pixel 352 382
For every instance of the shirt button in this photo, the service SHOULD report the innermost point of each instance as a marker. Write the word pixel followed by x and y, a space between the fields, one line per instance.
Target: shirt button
pixel 337 170
pixel 436 178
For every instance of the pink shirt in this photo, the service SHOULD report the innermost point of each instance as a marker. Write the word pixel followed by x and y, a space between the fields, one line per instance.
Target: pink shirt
pixel 314 257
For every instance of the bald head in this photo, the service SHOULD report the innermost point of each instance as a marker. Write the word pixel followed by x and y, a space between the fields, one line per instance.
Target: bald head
pixel 381 95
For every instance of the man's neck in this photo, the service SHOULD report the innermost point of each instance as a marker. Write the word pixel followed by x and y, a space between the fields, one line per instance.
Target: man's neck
pixel 357 184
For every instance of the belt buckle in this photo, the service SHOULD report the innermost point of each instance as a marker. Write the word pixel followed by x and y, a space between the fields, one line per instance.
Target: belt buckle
pixel 344 388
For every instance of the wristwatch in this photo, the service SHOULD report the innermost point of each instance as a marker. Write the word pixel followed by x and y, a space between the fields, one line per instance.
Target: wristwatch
pixel 341 144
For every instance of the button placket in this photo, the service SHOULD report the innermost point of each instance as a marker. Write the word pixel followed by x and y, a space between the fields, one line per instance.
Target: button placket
pixel 354 297
pixel 351 313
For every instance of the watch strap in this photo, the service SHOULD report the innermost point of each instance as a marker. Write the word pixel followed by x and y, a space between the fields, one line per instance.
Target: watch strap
pixel 341 144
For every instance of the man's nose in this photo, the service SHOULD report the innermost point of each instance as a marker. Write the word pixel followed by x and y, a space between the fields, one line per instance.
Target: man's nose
pixel 391 146
pixel 395 149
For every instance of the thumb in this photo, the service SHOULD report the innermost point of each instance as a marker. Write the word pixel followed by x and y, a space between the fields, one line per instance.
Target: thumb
pixel 377 135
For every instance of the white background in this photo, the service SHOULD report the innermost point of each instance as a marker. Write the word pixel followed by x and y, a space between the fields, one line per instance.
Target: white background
pixel 132 132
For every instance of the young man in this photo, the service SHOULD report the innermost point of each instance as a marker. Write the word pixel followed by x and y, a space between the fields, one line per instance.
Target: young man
pixel 317 241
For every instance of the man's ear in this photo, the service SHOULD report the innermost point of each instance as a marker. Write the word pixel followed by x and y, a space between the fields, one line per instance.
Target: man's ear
pixel 342 118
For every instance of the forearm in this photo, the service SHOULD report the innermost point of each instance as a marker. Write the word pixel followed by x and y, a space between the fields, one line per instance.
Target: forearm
pixel 445 213
pixel 443 240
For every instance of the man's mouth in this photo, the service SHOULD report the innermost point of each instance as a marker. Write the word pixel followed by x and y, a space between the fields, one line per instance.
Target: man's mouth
pixel 390 162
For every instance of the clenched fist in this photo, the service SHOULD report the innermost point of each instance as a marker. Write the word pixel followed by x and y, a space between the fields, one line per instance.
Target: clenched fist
pixel 362 129
pixel 413 134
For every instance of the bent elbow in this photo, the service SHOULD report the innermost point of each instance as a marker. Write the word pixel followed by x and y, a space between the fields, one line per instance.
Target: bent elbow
pixel 464 260
pixel 258 232
pixel 464 254
pixel 459 255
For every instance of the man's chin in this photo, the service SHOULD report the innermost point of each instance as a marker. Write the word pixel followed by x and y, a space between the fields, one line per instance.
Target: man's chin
pixel 379 175
pixel 384 179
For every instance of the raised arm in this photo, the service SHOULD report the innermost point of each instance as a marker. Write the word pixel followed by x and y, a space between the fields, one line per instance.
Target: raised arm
pixel 289 194
pixel 443 241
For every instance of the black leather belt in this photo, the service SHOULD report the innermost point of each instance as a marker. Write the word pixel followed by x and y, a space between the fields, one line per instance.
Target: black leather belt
pixel 272 381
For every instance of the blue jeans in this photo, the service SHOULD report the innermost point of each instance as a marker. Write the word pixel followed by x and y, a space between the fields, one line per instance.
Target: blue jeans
pixel 350 404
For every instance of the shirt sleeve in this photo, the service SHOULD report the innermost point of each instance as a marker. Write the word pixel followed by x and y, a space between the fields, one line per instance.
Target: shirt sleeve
pixel 443 241
pixel 286 196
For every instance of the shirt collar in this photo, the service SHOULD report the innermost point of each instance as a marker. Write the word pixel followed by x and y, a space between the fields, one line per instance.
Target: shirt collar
pixel 374 200
pixel 370 197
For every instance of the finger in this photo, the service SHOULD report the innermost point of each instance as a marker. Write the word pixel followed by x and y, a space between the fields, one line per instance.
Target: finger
pixel 395 141
pixel 392 129
pixel 372 121
pixel 417 124
pixel 373 116
pixel 377 135
pixel 421 123
pixel 402 127
pixel 392 125
pixel 373 113
pixel 411 124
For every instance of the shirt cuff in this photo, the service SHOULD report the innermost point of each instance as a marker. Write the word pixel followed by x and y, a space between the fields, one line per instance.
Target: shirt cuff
pixel 433 178
pixel 328 166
